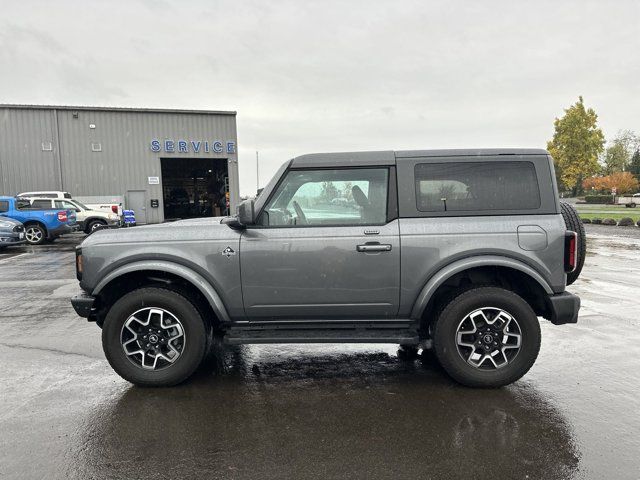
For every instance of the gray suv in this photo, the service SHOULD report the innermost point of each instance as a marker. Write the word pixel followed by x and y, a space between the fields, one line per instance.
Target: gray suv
pixel 456 250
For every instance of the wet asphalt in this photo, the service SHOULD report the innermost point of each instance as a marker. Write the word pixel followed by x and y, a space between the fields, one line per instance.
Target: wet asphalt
pixel 338 411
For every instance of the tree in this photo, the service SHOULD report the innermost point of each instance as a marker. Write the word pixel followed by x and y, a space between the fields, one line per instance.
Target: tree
pixel 623 182
pixel 576 144
pixel 634 164
pixel 618 156
pixel 329 191
pixel 615 158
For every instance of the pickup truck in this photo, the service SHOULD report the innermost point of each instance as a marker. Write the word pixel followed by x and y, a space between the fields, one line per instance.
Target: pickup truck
pixel 88 219
pixel 40 224
pixel 459 251
pixel 629 201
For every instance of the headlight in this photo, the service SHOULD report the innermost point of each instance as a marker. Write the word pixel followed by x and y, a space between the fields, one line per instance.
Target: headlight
pixel 7 224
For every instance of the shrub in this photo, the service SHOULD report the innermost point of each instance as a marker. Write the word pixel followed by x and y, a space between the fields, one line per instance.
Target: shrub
pixel 625 222
pixel 586 220
pixel 609 221
pixel 598 199
pixel 596 221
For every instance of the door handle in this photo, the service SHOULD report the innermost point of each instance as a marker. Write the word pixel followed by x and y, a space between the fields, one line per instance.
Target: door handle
pixel 373 247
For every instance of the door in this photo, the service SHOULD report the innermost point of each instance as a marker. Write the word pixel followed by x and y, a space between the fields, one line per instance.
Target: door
pixel 326 246
pixel 137 201
pixel 81 215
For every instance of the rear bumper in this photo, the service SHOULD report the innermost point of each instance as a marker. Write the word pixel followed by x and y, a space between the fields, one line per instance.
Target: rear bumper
pixel 61 230
pixel 564 308
pixel 83 304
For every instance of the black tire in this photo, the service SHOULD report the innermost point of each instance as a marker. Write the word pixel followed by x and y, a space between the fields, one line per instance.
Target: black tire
pixel 35 234
pixel 194 346
pixel 573 223
pixel 94 225
pixel 452 315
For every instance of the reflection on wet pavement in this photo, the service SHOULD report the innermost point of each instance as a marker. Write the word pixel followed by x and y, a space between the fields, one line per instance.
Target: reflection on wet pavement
pixel 305 411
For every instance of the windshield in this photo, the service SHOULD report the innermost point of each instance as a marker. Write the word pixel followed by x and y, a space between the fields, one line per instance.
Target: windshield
pixel 81 205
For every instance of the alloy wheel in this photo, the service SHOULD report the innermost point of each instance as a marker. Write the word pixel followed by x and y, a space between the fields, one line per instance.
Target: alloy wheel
pixel 33 235
pixel 152 338
pixel 488 338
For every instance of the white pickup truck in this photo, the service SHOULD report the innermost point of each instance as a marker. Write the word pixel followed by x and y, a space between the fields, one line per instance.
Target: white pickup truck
pixel 107 204
pixel 629 201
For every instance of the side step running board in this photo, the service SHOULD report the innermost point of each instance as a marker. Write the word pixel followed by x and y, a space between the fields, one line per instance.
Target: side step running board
pixel 403 332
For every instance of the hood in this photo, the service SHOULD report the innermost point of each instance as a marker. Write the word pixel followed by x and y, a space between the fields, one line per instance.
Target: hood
pixel 196 229
pixel 10 221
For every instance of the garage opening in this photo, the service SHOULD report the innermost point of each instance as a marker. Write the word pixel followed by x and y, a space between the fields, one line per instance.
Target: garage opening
pixel 194 187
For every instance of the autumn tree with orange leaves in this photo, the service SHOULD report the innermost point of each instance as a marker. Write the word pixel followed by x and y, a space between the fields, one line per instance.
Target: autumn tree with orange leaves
pixel 623 182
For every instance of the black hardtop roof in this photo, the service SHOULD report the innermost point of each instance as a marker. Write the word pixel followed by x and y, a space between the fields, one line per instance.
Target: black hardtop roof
pixel 389 157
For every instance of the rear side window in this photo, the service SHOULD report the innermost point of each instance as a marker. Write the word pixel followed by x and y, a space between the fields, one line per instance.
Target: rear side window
pixel 476 186
pixel 41 204
pixel 4 206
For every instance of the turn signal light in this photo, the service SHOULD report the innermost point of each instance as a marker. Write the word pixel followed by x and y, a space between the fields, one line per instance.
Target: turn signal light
pixel 570 251
pixel 79 263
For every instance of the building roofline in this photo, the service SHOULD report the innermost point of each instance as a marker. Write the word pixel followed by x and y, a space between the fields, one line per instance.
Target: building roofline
pixel 116 109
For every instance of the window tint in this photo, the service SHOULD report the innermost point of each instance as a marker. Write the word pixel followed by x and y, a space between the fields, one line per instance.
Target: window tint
pixel 329 197
pixel 22 204
pixel 4 206
pixel 476 186
pixel 41 204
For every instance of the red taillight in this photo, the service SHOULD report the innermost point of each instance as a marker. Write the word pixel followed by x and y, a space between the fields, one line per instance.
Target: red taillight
pixel 114 209
pixel 62 216
pixel 570 251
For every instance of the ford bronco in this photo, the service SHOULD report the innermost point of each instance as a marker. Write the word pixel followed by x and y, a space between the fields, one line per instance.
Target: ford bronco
pixel 460 251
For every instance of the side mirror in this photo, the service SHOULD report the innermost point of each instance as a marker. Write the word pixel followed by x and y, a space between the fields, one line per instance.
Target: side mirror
pixel 246 213
pixel 244 217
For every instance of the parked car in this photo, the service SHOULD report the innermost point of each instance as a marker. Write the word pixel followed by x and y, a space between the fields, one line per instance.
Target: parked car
pixel 112 207
pixel 88 220
pixel 460 251
pixel 40 224
pixel 11 232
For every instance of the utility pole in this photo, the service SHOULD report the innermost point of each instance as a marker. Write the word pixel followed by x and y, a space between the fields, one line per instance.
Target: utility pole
pixel 257 173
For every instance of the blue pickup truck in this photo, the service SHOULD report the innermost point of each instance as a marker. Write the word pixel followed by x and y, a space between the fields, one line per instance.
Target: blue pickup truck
pixel 40 224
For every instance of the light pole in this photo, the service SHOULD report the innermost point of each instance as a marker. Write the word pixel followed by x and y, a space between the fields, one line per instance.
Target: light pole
pixel 257 173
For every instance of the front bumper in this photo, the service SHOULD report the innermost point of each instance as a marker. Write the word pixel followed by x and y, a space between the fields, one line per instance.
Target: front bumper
pixel 8 239
pixel 563 308
pixel 83 304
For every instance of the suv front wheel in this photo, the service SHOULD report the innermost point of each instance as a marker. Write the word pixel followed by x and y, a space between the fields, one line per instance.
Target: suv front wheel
pixel 154 337
pixel 487 337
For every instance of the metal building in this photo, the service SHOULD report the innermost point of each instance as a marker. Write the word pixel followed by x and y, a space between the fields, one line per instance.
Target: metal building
pixel 163 164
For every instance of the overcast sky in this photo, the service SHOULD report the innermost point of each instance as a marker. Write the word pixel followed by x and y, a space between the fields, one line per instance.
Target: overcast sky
pixel 334 76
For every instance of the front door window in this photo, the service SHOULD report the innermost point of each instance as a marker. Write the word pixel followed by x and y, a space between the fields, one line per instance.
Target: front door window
pixel 326 197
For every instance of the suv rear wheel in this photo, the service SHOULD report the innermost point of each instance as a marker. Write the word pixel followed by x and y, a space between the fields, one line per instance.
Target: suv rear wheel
pixel 154 337
pixel 573 223
pixel 487 337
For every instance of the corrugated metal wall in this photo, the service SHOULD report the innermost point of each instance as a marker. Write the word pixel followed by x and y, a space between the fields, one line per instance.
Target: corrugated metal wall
pixel 24 165
pixel 125 160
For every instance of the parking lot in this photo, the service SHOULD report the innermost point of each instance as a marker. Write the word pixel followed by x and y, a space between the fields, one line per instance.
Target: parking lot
pixel 306 411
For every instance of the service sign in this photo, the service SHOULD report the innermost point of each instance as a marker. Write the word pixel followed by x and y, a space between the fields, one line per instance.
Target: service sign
pixel 192 146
